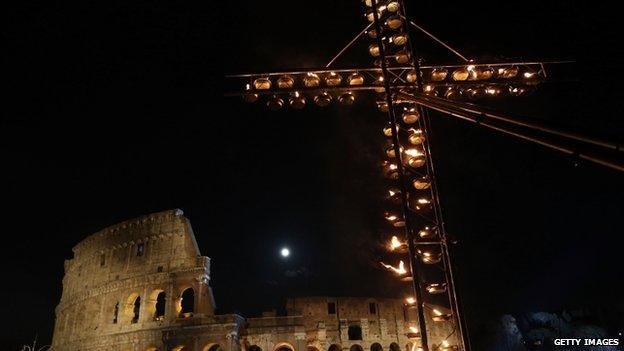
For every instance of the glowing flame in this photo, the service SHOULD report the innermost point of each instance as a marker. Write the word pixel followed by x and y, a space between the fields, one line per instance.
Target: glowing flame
pixel 392 192
pixel 437 313
pixel 391 217
pixel 529 74
pixel 393 166
pixel 247 86
pixel 400 270
pixel 395 243
pixel 411 301
pixel 423 201
pixel 413 152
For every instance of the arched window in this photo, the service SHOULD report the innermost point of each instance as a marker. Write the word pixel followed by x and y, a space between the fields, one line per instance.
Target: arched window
pixel 188 303
pixel 284 346
pixel 395 347
pixel 254 348
pixel 356 347
pixel 116 313
pixel 159 313
pixel 355 333
pixel 136 310
pixel 335 347
pixel 376 347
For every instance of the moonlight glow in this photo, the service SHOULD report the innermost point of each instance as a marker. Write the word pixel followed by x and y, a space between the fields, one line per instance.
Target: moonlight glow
pixel 285 252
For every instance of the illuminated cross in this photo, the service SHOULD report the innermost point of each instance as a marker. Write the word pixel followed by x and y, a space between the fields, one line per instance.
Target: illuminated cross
pixel 405 91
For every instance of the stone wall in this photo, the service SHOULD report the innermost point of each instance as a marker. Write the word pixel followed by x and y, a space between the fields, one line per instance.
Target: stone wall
pixel 127 289
pixel 382 322
pixel 111 286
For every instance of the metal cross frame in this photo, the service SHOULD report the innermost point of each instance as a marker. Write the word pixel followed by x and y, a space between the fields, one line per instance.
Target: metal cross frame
pixel 406 91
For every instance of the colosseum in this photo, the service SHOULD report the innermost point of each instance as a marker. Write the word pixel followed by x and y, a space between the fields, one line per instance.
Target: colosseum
pixel 143 285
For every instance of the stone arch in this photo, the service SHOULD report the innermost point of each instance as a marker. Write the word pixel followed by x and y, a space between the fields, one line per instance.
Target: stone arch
pixel 156 304
pixel 395 347
pixel 376 347
pixel 334 347
pixel 212 347
pixel 283 346
pixel 356 347
pixel 187 302
pixel 132 309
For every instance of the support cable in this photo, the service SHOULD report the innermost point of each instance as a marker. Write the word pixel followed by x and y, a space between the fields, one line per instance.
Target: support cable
pixel 439 41
pixel 348 45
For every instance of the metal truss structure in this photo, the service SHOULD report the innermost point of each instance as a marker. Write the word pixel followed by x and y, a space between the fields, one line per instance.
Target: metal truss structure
pixel 405 91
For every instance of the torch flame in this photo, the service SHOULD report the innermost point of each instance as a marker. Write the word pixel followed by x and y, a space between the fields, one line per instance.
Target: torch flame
pixel 395 243
pixel 413 152
pixel 400 270
pixel 411 301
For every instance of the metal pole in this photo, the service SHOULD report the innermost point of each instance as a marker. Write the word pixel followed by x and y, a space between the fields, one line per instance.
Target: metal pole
pixel 448 272
pixel 555 146
pixel 531 125
pixel 402 184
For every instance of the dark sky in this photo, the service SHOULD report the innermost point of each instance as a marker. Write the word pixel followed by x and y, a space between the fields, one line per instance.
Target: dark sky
pixel 115 109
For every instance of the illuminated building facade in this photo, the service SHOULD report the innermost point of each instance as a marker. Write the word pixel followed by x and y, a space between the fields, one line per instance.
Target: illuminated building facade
pixel 143 285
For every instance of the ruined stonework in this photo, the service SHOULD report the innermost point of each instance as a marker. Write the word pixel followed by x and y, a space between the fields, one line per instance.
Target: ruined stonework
pixel 142 285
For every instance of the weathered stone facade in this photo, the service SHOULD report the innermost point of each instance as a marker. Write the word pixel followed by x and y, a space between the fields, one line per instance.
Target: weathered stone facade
pixel 143 285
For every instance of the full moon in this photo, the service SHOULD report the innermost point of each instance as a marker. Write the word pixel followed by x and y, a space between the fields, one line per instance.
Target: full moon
pixel 285 252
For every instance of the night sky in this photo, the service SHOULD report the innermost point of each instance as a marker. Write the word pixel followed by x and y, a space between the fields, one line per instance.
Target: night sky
pixel 115 109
